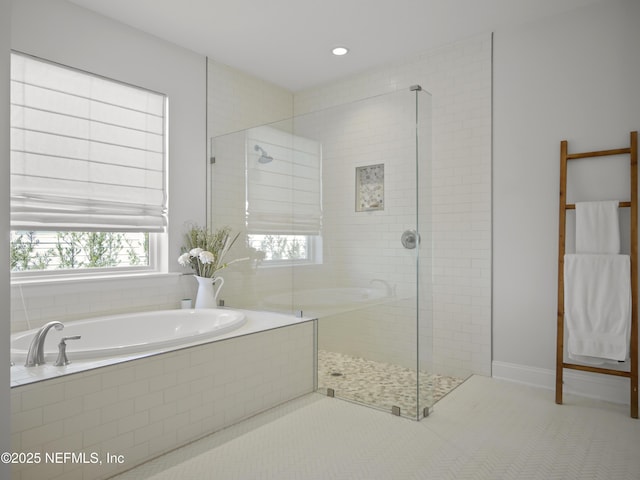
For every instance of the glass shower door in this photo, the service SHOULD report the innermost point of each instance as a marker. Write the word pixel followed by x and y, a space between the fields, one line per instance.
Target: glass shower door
pixel 367 288
pixel 334 211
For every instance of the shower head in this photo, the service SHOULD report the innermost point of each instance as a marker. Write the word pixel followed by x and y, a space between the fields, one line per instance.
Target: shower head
pixel 264 156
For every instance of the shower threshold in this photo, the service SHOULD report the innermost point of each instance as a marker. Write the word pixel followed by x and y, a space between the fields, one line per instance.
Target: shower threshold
pixel 381 385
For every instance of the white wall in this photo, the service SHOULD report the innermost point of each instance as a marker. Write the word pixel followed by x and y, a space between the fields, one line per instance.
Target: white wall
pixel 5 45
pixel 575 77
pixel 237 100
pixel 65 33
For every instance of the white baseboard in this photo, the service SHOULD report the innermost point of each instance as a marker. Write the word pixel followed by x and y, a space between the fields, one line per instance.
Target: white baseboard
pixel 592 385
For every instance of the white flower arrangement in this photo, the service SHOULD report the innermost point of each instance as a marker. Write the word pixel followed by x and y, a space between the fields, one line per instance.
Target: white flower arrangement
pixel 205 251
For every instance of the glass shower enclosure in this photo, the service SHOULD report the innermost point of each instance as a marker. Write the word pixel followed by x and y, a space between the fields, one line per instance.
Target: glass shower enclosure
pixel 334 210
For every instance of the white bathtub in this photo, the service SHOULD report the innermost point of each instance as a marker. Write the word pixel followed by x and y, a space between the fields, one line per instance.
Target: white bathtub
pixel 131 333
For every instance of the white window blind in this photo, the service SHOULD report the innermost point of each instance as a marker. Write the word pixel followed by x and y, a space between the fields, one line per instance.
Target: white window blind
pixel 284 195
pixel 87 153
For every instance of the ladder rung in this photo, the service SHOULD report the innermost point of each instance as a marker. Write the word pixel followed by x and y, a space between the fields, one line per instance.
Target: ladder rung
pixel 601 153
pixel 588 368
pixel 572 206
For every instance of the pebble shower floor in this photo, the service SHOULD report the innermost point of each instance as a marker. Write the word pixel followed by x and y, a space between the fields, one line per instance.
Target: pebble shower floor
pixel 380 385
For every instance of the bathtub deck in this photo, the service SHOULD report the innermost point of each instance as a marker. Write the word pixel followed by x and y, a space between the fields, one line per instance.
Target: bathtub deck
pixel 257 321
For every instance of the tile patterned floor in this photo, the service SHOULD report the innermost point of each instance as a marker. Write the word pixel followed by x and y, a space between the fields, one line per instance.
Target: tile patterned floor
pixel 381 385
pixel 485 429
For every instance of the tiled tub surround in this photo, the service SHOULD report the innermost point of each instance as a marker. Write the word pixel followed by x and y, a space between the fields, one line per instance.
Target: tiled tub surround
pixel 143 408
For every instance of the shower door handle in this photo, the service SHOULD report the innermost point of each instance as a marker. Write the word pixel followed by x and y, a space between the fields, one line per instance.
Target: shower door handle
pixel 410 239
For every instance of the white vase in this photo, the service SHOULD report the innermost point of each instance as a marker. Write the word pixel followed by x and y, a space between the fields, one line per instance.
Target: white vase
pixel 208 291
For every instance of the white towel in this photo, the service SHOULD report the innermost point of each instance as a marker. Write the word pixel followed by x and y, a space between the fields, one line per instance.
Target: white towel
pixel 597 306
pixel 597 229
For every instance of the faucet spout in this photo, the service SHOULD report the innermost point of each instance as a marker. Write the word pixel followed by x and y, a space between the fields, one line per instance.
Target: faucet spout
pixel 35 355
pixel 389 290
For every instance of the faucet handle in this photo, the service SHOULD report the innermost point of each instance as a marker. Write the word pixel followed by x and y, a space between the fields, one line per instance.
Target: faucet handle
pixel 62 359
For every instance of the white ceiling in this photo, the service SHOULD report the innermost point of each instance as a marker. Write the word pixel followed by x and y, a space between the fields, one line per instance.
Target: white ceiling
pixel 288 42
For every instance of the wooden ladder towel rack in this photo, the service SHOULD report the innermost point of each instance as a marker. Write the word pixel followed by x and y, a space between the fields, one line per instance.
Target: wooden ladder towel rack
pixel 632 374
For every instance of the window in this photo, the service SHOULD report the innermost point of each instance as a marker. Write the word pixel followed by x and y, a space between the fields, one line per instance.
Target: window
pixel 282 248
pixel 88 169
pixel 284 195
pixel 66 250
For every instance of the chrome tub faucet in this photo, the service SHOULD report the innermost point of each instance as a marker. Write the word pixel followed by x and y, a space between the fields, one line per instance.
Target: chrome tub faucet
pixel 35 355
pixel 390 291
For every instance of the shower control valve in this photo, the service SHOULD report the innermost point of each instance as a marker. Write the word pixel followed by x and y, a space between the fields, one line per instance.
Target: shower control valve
pixel 410 239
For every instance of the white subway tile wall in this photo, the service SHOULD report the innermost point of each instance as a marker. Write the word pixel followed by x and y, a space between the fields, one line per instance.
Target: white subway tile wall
pixel 362 248
pixel 147 407
pixel 33 305
pixel 457 340
pixel 459 78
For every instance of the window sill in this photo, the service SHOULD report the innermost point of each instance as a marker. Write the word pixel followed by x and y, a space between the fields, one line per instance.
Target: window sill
pixel 80 278
pixel 286 264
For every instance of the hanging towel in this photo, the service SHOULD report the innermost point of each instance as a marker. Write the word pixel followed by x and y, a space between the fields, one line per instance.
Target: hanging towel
pixel 597 306
pixel 597 229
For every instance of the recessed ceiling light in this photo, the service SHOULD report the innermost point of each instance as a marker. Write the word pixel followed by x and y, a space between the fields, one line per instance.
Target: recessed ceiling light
pixel 339 51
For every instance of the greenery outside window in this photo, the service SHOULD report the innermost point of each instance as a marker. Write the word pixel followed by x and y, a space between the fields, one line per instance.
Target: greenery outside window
pixel 283 248
pixel 55 251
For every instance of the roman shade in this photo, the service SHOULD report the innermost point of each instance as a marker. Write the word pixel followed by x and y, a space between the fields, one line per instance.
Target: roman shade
pixel 283 184
pixel 87 153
